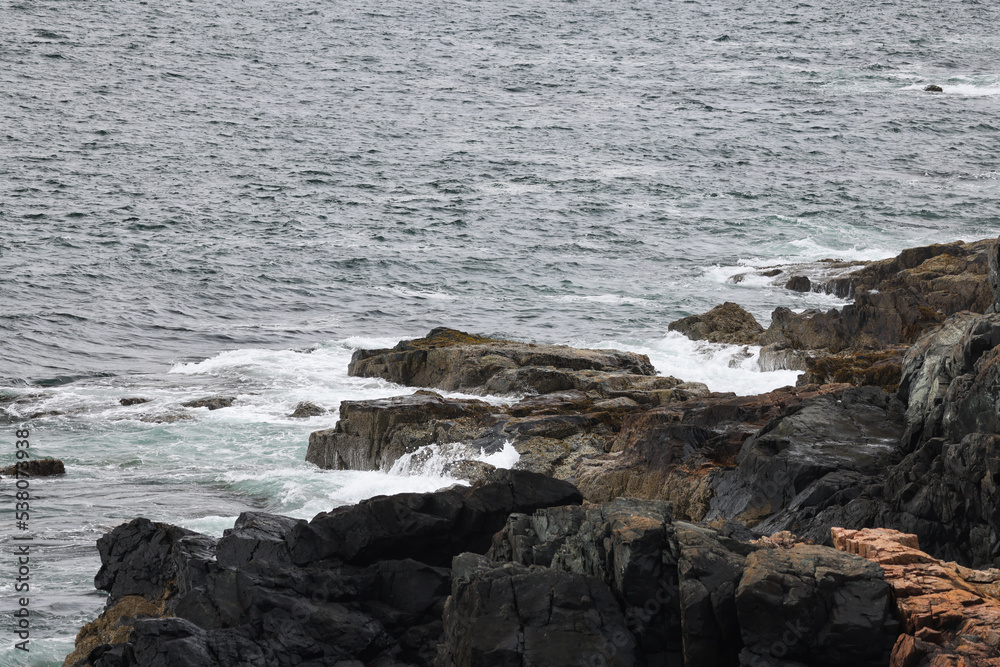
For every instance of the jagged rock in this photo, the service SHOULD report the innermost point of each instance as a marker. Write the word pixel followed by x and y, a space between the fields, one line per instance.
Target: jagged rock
pixel 212 403
pixel 882 368
pixel 728 323
pixel 514 615
pixel 950 613
pixel 627 544
pixel 785 464
pixel 950 380
pixel 280 591
pixel 144 558
pixel 305 409
pixel 373 434
pixel 472 471
pixel 799 284
pixel 456 361
pixel 551 432
pixel 896 300
pixel 674 453
pixel 34 468
pixel 709 570
pixel 431 527
pixel 133 401
pixel 780 357
pixel 933 88
pixel 812 605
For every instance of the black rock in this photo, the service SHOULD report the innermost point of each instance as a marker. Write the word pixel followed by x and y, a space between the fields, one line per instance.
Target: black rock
pixel 133 401
pixel 213 403
pixel 306 409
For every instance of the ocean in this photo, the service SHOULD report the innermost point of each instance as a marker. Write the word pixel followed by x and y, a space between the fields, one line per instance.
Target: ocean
pixel 229 198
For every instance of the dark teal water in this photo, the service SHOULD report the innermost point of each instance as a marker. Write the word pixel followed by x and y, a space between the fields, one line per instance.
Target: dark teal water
pixel 230 197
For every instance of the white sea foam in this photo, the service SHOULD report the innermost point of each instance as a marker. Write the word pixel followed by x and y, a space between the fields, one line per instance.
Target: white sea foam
pixel 721 367
pixel 436 460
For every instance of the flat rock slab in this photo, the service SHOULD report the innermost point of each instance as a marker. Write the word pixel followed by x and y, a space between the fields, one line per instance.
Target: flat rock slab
pixel 456 361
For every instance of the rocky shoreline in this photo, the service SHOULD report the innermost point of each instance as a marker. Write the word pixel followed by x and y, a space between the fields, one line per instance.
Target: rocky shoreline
pixel 648 521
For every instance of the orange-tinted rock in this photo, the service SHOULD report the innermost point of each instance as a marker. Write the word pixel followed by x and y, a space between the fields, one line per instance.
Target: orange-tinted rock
pixel 951 614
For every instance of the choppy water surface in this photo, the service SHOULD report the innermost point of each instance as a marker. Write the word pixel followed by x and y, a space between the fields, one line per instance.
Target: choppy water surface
pixel 225 197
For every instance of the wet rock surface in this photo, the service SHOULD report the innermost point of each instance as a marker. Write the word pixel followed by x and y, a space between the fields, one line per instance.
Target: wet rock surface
pixel 728 323
pixel 688 554
pixel 306 409
pixel 366 582
pixel 34 468
pixel 212 402
pixel 457 361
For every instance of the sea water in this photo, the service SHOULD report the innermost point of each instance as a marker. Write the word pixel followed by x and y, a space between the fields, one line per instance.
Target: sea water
pixel 229 198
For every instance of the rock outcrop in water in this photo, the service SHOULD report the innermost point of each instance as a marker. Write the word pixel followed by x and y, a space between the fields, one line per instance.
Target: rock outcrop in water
pixel 512 571
pixel 457 361
pixel 728 323
pixel 589 394
pixel 515 571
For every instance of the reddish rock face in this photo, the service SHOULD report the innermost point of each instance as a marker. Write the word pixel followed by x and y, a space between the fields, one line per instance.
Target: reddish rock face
pixel 951 614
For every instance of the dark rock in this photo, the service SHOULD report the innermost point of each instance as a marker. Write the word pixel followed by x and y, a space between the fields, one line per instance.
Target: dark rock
pixel 456 361
pixel 371 435
pixel 675 452
pixel 896 300
pixel 814 605
pixel 627 544
pixel 799 284
pixel 305 409
pixel 431 527
pixel 932 88
pixel 255 535
pixel 728 323
pixel 709 569
pixel 164 419
pixel 993 274
pixel 34 468
pixel 133 401
pixel 213 403
pixel 856 432
pixel 770 273
pixel 146 558
pixel 514 615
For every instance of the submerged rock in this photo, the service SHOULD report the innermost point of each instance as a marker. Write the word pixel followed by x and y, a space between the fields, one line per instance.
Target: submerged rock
pixel 306 409
pixel 135 400
pixel 34 468
pixel 799 284
pixel 212 403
